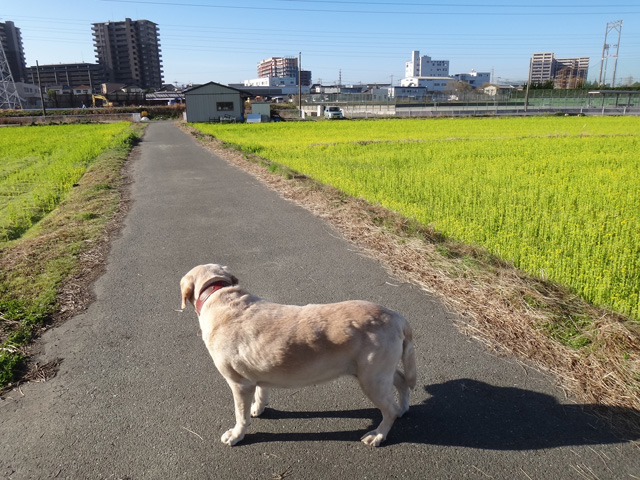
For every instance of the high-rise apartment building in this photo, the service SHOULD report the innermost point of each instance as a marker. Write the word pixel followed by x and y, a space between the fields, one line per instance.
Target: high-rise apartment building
pixel 12 44
pixel 67 74
pixel 571 72
pixel 564 72
pixel 129 52
pixel 278 67
pixel 305 78
pixel 283 67
pixel 542 67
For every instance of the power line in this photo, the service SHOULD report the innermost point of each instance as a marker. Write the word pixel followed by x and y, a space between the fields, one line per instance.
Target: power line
pixel 572 13
pixel 292 33
pixel 464 5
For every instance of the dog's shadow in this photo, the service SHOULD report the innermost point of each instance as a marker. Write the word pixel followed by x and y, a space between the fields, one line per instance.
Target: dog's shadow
pixel 474 414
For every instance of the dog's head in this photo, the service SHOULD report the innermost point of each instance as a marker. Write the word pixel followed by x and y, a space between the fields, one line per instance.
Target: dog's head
pixel 200 277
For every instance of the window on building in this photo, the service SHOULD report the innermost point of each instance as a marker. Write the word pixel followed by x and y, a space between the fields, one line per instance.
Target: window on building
pixel 224 106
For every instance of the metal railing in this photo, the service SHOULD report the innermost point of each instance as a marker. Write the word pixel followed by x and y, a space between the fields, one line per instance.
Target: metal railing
pixel 571 102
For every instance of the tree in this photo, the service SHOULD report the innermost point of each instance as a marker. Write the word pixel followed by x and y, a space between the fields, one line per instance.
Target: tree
pixel 591 85
pixel 52 97
pixel 460 87
pixel 546 85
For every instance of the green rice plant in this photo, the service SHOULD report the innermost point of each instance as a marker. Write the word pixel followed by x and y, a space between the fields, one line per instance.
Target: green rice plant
pixel 559 197
pixel 39 165
pixel 35 267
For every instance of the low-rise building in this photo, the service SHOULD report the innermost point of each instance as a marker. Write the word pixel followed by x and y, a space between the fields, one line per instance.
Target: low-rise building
pixel 475 79
pixel 213 102
pixel 271 82
pixel 408 93
pixel 432 84
pixel 29 95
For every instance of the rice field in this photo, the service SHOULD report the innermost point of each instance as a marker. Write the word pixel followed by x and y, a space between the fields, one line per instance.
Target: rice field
pixel 40 164
pixel 557 196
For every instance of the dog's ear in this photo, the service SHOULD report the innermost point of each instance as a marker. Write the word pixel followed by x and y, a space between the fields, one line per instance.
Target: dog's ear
pixel 187 286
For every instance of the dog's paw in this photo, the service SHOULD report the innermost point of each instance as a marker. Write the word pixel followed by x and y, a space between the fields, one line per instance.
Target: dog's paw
pixel 256 410
pixel 231 438
pixel 373 438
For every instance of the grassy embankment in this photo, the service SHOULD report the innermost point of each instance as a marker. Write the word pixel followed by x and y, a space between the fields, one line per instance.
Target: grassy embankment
pixel 59 188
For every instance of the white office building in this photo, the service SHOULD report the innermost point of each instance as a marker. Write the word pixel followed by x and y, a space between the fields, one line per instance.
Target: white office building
pixel 475 79
pixel 424 73
pixel 425 67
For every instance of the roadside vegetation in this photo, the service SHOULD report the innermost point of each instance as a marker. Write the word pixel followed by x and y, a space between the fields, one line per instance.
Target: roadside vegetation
pixel 84 115
pixel 59 189
pixel 528 227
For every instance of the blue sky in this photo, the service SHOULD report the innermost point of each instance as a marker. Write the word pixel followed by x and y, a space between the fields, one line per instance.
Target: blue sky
pixel 352 40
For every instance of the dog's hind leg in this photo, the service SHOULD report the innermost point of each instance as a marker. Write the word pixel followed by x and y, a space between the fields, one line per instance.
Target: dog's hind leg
pixel 260 401
pixel 403 392
pixel 242 394
pixel 380 390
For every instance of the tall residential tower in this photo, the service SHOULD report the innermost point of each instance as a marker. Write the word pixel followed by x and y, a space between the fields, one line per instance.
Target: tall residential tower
pixel 564 72
pixel 129 52
pixel 12 44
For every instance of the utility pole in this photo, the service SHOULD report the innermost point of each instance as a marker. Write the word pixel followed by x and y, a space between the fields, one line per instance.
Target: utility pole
pixel 44 108
pixel 300 84
pixel 602 78
pixel 526 97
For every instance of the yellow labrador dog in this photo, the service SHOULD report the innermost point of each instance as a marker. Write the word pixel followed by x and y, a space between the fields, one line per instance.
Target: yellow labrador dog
pixel 257 345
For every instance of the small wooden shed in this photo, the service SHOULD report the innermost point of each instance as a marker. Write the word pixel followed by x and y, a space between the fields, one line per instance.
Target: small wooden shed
pixel 213 102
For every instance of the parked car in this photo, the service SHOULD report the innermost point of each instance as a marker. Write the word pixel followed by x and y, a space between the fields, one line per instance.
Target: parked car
pixel 333 112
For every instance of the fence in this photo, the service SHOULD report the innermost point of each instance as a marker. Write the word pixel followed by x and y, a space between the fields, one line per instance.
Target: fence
pixel 572 102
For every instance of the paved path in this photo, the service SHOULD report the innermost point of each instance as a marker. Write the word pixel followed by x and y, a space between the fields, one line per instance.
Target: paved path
pixel 137 395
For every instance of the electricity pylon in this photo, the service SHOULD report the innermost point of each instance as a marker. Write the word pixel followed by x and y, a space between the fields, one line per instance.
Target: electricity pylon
pixel 611 26
pixel 9 97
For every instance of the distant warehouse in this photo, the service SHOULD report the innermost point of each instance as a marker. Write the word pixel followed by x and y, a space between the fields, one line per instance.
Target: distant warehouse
pixel 213 102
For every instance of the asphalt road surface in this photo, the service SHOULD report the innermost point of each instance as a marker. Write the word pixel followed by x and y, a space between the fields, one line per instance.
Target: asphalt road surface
pixel 137 395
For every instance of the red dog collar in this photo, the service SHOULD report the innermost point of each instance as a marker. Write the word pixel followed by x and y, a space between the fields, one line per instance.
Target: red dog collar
pixel 207 292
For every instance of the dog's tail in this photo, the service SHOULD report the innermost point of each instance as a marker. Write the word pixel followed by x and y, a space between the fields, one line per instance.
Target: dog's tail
pixel 408 356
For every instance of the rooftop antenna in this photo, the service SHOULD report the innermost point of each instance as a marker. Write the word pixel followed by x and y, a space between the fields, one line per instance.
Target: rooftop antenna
pixel 611 26
pixel 9 97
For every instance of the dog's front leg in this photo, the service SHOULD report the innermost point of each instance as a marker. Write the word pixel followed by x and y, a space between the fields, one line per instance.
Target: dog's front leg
pixel 260 401
pixel 242 394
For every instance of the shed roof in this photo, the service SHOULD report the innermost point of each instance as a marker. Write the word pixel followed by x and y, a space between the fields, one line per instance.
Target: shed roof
pixel 210 84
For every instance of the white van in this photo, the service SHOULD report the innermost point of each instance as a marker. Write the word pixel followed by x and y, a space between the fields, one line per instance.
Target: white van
pixel 333 112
